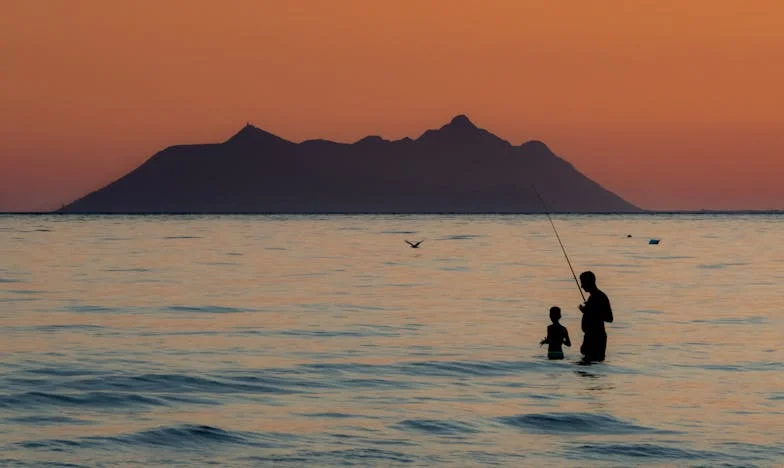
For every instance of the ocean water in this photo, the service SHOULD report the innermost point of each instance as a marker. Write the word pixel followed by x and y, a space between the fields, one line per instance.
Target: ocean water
pixel 327 341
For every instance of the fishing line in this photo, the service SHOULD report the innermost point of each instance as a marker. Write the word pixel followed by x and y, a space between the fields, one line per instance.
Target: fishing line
pixel 547 212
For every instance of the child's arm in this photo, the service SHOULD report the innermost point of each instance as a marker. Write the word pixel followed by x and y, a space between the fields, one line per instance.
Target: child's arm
pixel 566 339
pixel 546 338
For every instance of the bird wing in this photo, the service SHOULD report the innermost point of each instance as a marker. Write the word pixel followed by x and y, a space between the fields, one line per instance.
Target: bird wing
pixel 409 243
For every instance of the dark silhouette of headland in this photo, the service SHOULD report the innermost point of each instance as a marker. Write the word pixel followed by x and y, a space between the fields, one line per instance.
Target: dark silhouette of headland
pixel 458 168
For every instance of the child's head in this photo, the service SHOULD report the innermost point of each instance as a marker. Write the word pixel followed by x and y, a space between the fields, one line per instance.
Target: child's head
pixel 555 313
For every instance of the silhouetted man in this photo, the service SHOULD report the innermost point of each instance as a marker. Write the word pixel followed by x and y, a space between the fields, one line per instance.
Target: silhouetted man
pixel 596 311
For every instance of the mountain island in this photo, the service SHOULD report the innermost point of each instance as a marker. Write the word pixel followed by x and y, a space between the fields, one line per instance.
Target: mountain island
pixel 458 168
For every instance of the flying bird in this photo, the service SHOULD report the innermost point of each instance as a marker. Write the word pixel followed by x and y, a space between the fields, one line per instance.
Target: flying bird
pixel 414 245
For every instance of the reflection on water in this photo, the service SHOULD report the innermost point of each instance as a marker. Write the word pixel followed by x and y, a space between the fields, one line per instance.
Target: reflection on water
pixel 595 381
pixel 326 340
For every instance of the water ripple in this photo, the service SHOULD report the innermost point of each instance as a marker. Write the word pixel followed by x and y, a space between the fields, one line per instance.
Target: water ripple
pixel 436 427
pixel 208 309
pixel 179 383
pixel 89 399
pixel 642 450
pixel 353 456
pixel 575 422
pixel 22 463
pixel 186 436
pixel 48 419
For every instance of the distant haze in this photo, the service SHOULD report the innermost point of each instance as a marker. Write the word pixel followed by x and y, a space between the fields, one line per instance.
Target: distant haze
pixel 670 105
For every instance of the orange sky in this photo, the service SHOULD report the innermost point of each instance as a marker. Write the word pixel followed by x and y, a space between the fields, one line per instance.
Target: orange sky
pixel 671 104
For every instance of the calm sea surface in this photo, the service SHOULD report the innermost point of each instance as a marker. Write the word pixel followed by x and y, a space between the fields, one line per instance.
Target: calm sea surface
pixel 326 340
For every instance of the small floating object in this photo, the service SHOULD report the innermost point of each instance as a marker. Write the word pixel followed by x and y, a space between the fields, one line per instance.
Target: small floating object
pixel 653 241
pixel 628 235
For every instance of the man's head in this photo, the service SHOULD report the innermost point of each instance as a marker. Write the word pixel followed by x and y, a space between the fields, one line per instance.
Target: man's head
pixel 588 281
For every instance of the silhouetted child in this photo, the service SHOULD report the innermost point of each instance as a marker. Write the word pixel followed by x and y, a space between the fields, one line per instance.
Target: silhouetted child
pixel 556 336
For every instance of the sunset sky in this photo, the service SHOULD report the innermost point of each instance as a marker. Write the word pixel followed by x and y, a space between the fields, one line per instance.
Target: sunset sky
pixel 671 104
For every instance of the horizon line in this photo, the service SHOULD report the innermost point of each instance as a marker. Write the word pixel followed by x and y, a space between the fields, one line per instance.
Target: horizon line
pixel 398 213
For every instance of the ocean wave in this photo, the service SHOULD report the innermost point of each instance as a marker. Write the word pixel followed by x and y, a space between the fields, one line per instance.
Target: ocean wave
pixel 42 420
pixel 431 368
pixel 90 308
pixel 178 384
pixel 642 450
pixel 462 237
pixel 129 270
pixel 403 285
pixel 179 333
pixel 324 376
pixel 648 311
pixel 232 264
pixel 10 462
pixel 661 257
pixel 748 451
pixel 89 399
pixel 761 366
pixel 67 328
pixel 327 333
pixel 60 371
pixel 331 415
pixel 206 309
pixel 290 383
pixel 720 266
pixel 358 332
pixel 358 307
pixel 352 456
pixel 756 320
pixel 346 457
pixel 495 458
pixel 377 383
pixel 47 419
pixel 18 299
pixel 468 368
pixel 436 427
pixel 575 422
pixel 186 436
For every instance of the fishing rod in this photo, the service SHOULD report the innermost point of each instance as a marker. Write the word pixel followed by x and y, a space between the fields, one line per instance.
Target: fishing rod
pixel 547 212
